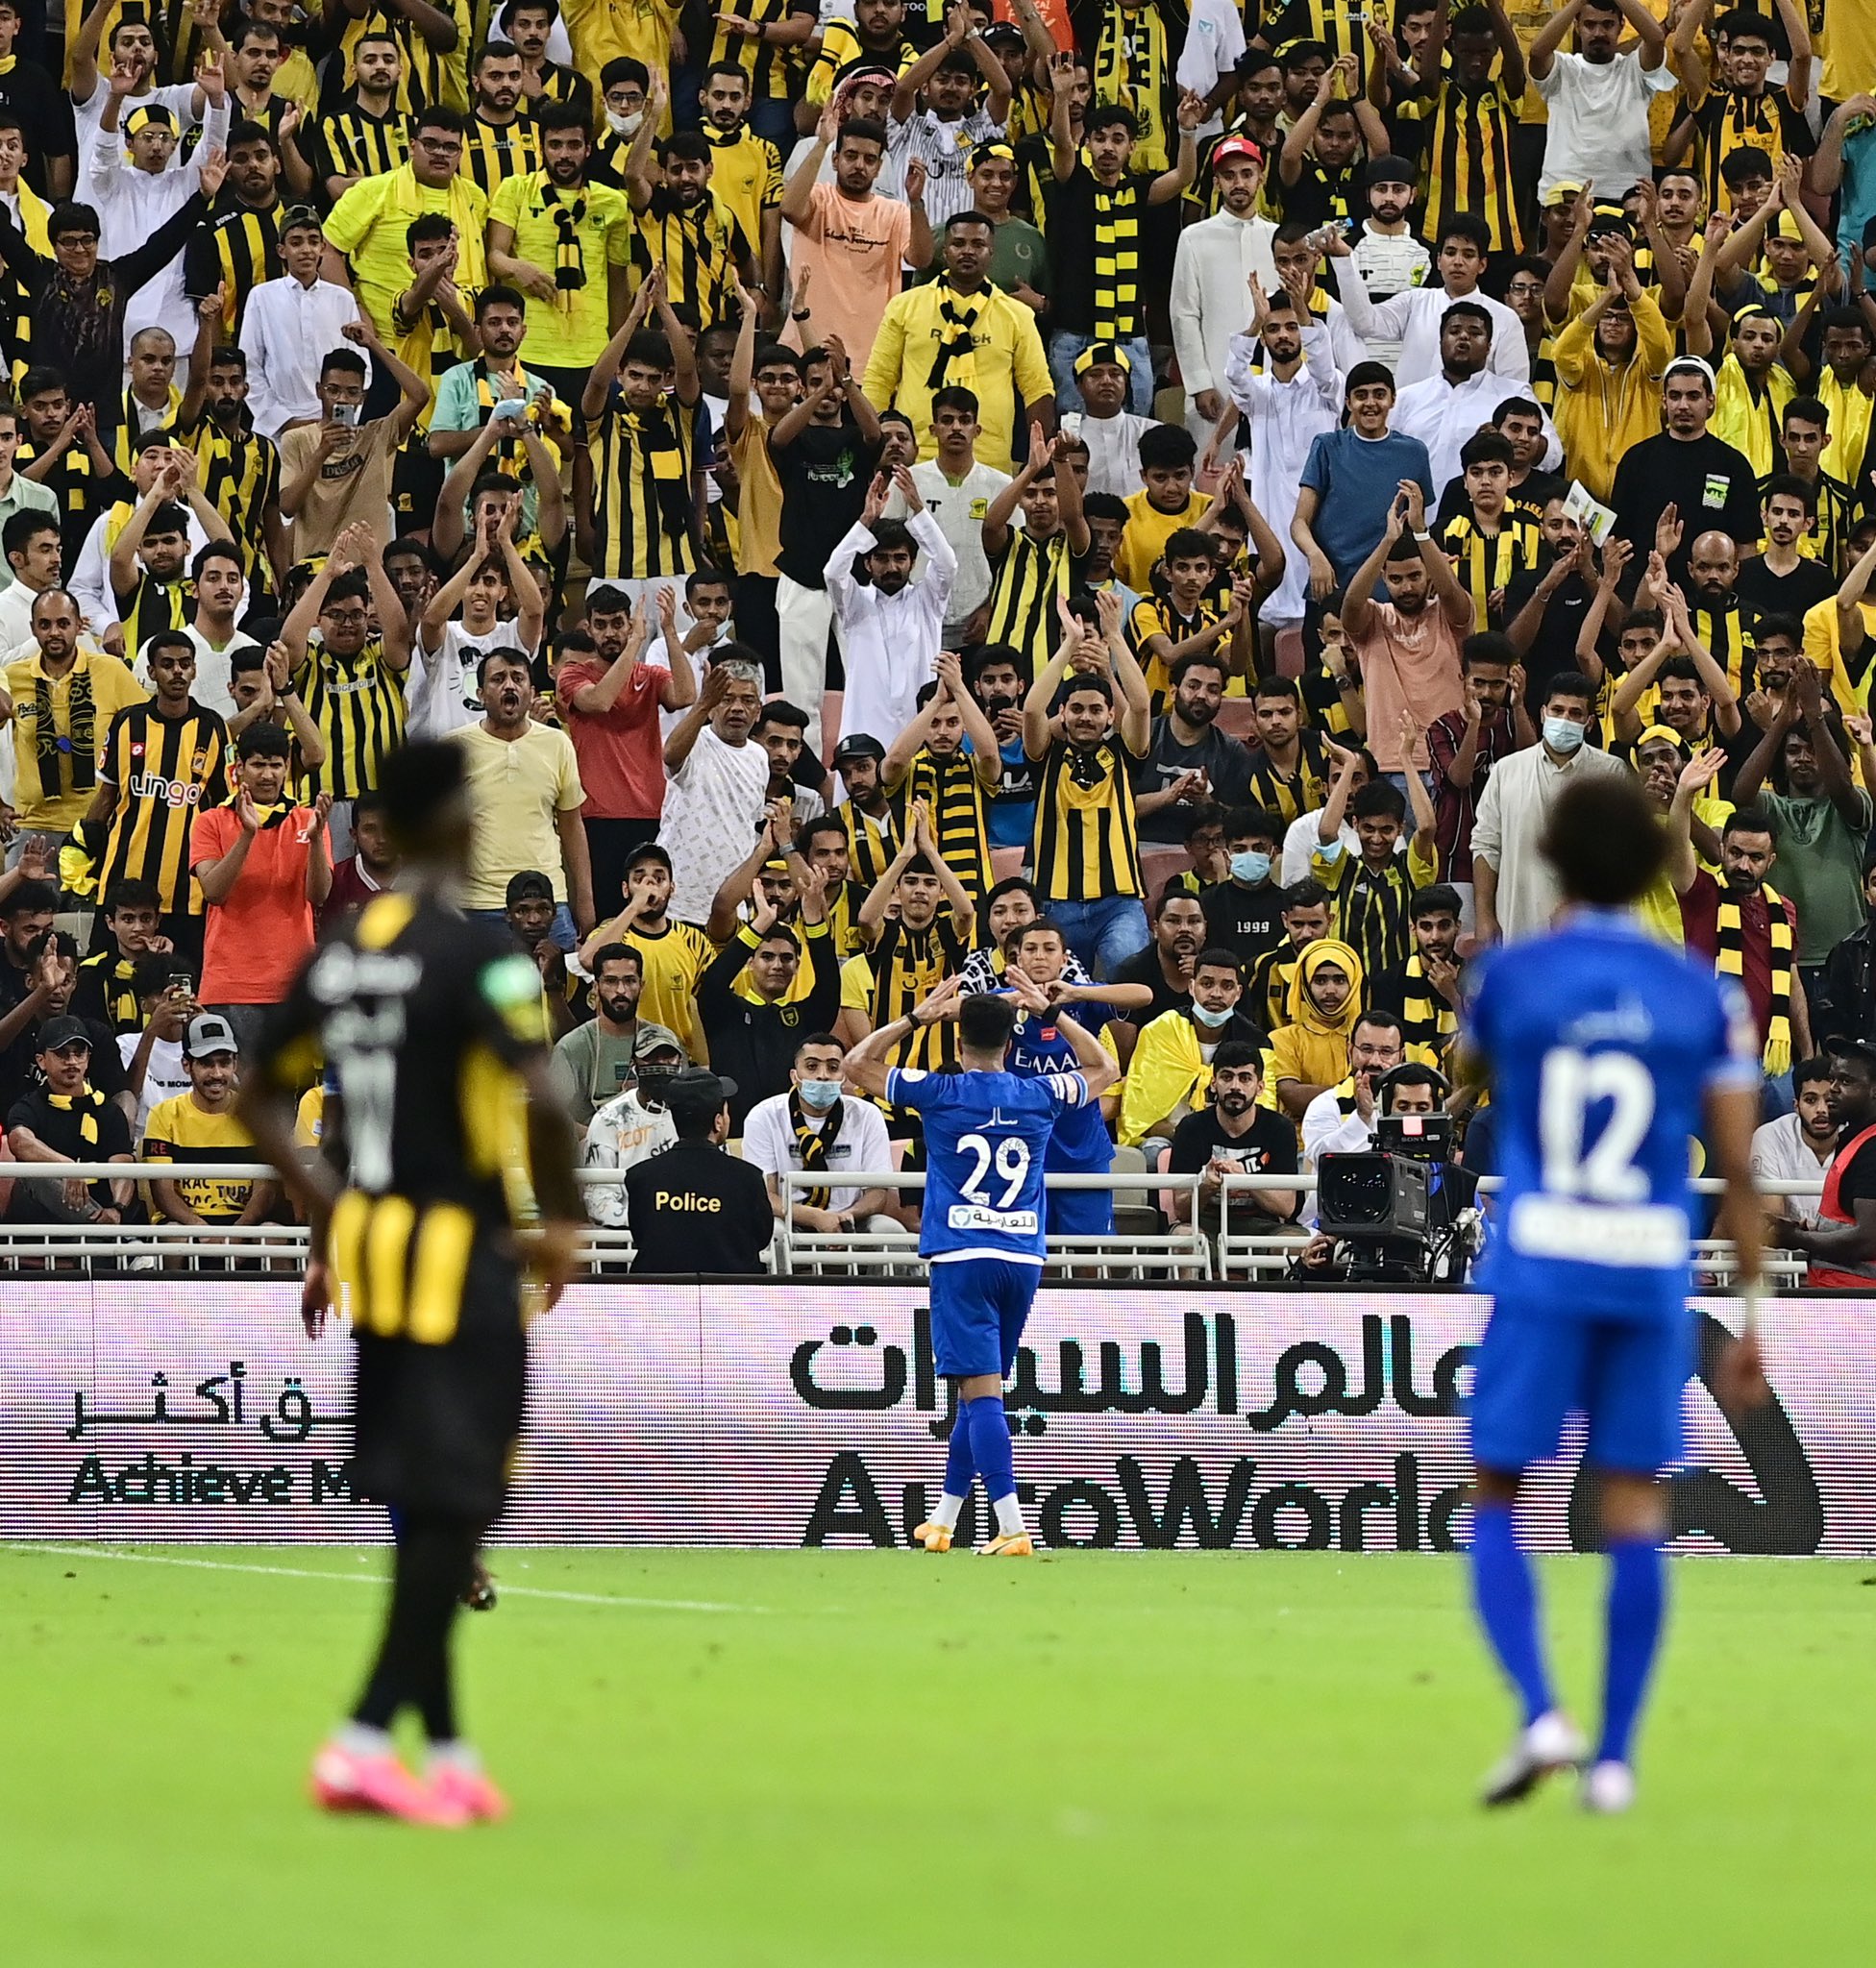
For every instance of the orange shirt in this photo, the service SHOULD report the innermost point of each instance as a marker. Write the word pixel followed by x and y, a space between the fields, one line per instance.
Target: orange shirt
pixel 854 249
pixel 255 941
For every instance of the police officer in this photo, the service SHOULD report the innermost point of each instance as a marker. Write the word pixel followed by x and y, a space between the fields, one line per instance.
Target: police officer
pixel 694 1208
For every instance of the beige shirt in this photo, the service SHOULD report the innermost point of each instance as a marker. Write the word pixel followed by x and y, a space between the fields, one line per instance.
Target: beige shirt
pixel 518 788
pixel 1409 663
pixel 354 483
pixel 1508 834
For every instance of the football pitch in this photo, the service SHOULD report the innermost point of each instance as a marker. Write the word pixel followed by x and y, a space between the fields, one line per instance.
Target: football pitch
pixel 884 1760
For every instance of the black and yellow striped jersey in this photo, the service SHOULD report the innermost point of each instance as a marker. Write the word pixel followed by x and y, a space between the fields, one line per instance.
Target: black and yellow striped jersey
pixel 1469 160
pixel 1830 527
pixel 1292 793
pixel 775 73
pixel 237 250
pixel 82 491
pixel 1729 119
pixel 1727 632
pixel 164 771
pixel 1029 578
pixel 643 511
pixel 241 479
pixel 952 793
pixel 492 152
pixel 907 966
pixel 559 84
pixel 744 176
pixel 150 604
pixel 426 1019
pixel 1324 705
pixel 351 145
pixel 427 75
pixel 872 841
pixel 356 702
pixel 1086 843
pixel 702 249
pixel 840 47
pixel 1158 615
pixel 1486 563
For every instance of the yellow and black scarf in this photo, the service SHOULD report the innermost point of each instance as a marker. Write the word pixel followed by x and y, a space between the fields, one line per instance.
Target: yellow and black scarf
pixel 569 262
pixel 1427 1019
pixel 653 433
pixel 815 1141
pixel 78 747
pixel 1117 261
pixel 88 1103
pixel 955 364
pixel 1729 961
pixel 1131 67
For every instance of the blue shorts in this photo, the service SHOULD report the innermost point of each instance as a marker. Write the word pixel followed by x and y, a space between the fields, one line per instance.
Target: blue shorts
pixel 1080 1211
pixel 980 1305
pixel 1626 1375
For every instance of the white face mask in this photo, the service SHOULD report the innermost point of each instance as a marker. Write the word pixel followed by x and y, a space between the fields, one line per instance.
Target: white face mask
pixel 1563 734
pixel 625 125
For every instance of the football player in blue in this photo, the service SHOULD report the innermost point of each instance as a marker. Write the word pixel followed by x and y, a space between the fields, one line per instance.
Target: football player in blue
pixel 981 1231
pixel 1605 1052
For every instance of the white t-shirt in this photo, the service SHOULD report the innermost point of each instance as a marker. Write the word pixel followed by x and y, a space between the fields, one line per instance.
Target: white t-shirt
pixel 442 694
pixel 1113 450
pixel 1599 122
pixel 769 1144
pixel 213 688
pixel 1780 1154
pixel 712 806
pixel 960 511
pixel 620 1135
pixel 163 1077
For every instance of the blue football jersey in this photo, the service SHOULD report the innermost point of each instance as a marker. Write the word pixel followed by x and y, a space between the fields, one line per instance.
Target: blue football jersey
pixel 1081 1143
pixel 1602 1044
pixel 985 1136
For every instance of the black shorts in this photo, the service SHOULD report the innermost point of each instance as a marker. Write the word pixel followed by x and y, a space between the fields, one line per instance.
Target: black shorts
pixel 437 1426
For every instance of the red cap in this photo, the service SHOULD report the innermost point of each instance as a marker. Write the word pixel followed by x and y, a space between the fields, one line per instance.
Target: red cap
pixel 1236 147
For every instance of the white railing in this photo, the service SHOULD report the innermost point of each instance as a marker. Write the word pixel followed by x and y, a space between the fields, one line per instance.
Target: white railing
pixel 1243 1247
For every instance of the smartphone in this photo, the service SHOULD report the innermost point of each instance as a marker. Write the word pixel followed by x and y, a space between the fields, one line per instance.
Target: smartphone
pixel 182 981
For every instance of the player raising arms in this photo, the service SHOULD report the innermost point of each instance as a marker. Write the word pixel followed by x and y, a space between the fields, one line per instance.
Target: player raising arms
pixel 982 1231
pixel 451 1133
pixel 1606 1052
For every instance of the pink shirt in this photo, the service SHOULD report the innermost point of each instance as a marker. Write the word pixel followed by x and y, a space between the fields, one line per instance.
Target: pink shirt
pixel 1408 664
pixel 855 250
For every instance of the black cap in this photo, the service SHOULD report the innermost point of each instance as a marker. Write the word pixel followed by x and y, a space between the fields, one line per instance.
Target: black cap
pixel 1391 171
pixel 857 745
pixel 698 1091
pixel 649 851
pixel 531 885
pixel 56 1034
pixel 1004 30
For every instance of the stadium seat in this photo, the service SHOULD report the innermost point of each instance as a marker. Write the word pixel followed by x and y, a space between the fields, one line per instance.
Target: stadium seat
pixel 1235 718
pixel 1289 652
pixel 1159 864
pixel 1006 861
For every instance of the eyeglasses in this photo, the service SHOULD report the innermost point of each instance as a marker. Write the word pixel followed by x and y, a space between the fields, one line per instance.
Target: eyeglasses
pixel 1525 287
pixel 352 618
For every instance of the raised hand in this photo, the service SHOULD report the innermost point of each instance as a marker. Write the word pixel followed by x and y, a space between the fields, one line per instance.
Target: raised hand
pixel 1702 769
pixel 875 500
pixel 914 180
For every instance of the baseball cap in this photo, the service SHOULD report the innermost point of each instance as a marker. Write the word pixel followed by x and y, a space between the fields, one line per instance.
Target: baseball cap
pixel 1609 218
pixel 1236 147
pixel 655 1039
pixel 146 113
pixel 651 852
pixel 56 1034
pixel 1004 30
pixel 1389 171
pixel 209 1034
pixel 1561 192
pixel 857 745
pixel 1110 353
pixel 531 885
pixel 698 1091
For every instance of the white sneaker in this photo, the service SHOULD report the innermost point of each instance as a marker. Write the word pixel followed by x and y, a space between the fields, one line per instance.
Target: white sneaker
pixel 1608 1788
pixel 1550 1743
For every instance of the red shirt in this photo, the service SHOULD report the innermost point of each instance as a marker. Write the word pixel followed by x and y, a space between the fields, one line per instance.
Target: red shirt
pixel 620 751
pixel 1699 911
pixel 256 940
pixel 1456 808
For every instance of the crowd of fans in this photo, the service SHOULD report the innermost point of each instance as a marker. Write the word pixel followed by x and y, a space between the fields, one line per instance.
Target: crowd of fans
pixel 1161 501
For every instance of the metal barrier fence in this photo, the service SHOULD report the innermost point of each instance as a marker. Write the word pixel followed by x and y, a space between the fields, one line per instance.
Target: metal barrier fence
pixel 1246 1246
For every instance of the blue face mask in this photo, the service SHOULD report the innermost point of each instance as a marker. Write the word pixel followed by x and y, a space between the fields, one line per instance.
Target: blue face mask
pixel 819 1095
pixel 1213 1018
pixel 1562 735
pixel 1250 868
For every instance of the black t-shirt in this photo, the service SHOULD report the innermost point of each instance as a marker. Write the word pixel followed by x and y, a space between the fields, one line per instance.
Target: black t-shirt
pixel 1711 486
pixel 46 114
pixel 1267 1147
pixel 695 1208
pixel 824 473
pixel 62 1127
pixel 1144 969
pixel 1762 592
pixel 1554 647
pixel 1220 757
pixel 1246 920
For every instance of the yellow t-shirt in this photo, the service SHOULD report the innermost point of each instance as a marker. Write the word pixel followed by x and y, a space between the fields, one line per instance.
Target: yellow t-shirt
pixel 758 511
pixel 575 333
pixel 45 743
pixel 1849 49
pixel 673 961
pixel 180 1131
pixel 309 1118
pixel 1824 648
pixel 368 225
pixel 1147 533
pixel 517 788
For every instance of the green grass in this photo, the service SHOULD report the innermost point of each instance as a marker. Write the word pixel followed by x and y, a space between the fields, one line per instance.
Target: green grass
pixel 899 1761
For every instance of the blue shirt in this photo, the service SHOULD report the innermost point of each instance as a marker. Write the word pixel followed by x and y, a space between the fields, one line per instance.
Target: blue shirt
pixel 1355 480
pixel 985 1136
pixel 1081 1143
pixel 1859 205
pixel 1012 799
pixel 1602 1046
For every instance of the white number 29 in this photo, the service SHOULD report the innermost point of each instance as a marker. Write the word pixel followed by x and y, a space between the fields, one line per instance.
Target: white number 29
pixel 1011 1159
pixel 1571 1084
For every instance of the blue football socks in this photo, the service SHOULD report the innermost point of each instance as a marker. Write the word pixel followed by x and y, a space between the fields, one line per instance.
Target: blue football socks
pixel 1505 1594
pixel 1638 1605
pixel 989 1445
pixel 960 1464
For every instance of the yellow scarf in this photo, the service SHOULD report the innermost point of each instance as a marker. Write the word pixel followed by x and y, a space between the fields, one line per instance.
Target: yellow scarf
pixel 1729 961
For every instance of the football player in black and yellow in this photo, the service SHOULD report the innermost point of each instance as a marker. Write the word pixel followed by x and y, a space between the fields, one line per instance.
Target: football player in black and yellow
pixel 448 1181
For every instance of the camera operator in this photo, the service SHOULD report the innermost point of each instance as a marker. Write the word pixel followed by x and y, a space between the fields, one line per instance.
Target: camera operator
pixel 1413 1123
pixel 1341 1120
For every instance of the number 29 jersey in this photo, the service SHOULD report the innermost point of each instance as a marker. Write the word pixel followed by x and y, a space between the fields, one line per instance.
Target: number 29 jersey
pixel 1601 1046
pixel 986 1133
